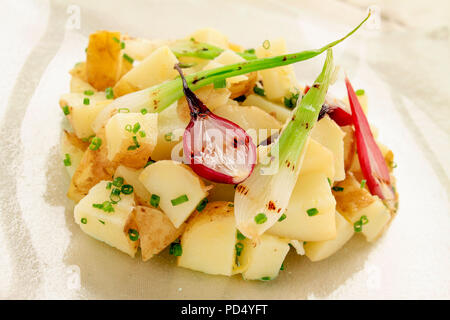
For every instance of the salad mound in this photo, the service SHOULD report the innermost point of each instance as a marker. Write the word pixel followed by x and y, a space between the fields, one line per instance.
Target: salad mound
pixel 218 154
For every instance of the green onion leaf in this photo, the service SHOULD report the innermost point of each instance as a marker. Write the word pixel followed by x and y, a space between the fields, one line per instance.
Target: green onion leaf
pixel 136 127
pixel 363 183
pixel 142 134
pixel 123 110
pixel 266 44
pixel 360 92
pixel 115 195
pixel 312 212
pixel 239 247
pixel 89 92
pixel 221 83
pixel 259 91
pixel 133 234
pixel 338 189
pixel 128 58
pixel 109 93
pixel 149 163
pixel 66 110
pixel 260 218
pixel 128 128
pixel 357 226
pixel 181 199
pixel 144 111
pixel 202 204
pixel 176 249
pixel 265 278
pixel 67 161
pixel 154 200
pixel 116 39
pixel 239 235
pixel 83 220
pixel 127 189
pixel 168 136
pixel 283 216
pixel 86 101
pixel 118 182
pixel 101 221
pixel 96 142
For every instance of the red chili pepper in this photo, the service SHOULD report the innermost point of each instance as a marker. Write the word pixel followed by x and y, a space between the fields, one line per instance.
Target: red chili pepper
pixel 371 159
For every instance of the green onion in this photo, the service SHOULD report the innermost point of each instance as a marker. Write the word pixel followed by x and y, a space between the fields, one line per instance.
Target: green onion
pixel 265 278
pixel 291 102
pixel 116 39
pixel 96 142
pixel 136 144
pixel 144 111
pixel 192 48
pixel 357 226
pixel 128 58
pixel 175 249
pixel 231 205
pixel 66 110
pixel 83 220
pixel 363 183
pixel 149 163
pixel 127 189
pixel 105 206
pixel 283 216
pixel 239 247
pixel 123 110
pixel 168 136
pixel 251 51
pixel 221 83
pixel 142 134
pixel 128 128
pixel 154 200
pixel 115 195
pixel 360 92
pixel 260 218
pixel 259 91
pixel 266 44
pixel 329 181
pixel 67 161
pixel 89 92
pixel 109 93
pixel 364 220
pixel 118 182
pixel 133 234
pixel 136 127
pixel 101 221
pixel 312 212
pixel 338 189
pixel 161 96
pixel 282 267
pixel 88 139
pixel 186 65
pixel 181 199
pixel 202 205
pixel 239 235
pixel 109 185
pixel 86 101
pixel 122 45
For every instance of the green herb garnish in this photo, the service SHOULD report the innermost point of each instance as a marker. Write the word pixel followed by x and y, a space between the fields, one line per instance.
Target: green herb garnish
pixel 312 212
pixel 133 234
pixel 260 218
pixel 154 200
pixel 109 93
pixel 202 205
pixel 96 142
pixel 181 199
pixel 66 110
pixel 67 161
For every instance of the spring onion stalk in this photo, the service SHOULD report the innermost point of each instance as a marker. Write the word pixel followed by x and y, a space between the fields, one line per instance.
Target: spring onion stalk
pixel 159 97
pixel 268 193
pixel 192 48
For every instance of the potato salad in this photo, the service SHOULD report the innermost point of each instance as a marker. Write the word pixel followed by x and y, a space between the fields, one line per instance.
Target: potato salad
pixel 216 153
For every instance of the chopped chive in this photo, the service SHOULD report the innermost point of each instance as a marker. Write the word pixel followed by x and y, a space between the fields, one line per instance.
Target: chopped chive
pixel 96 142
pixel 109 185
pixel 363 183
pixel 181 199
pixel 83 220
pixel 136 144
pixel 89 92
pixel 251 51
pixel 128 128
pixel 176 249
pixel 364 220
pixel 259 91
pixel 133 234
pixel 283 216
pixel 282 267
pixel 266 44
pixel 136 127
pixel 67 161
pixel 118 182
pixel 357 226
pixel 231 205
pixel 142 134
pixel 88 139
pixel 265 278
pixel 338 189
pixel 202 204
pixel 128 58
pixel 393 165
pixel 149 163
pixel 109 93
pixel 86 101
pixel 115 195
pixel 239 247
pixel 304 242
pixel 122 45
pixel 186 65
pixel 360 92
pixel 239 235
pixel 329 181
pixel 66 110
pixel 218 84
pixel 127 189
pixel 168 136
pixel 105 206
pixel 116 39
pixel 260 218
pixel 291 102
pixel 312 212
pixel 144 111
pixel 101 221
pixel 154 200
pixel 123 110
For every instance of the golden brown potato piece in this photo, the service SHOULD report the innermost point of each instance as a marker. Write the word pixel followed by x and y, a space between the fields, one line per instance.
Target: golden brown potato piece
pixel 156 231
pixel 79 71
pixel 93 168
pixel 104 59
pixel 243 87
pixel 75 141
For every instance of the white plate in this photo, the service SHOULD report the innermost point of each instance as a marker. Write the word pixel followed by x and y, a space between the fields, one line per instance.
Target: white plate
pixel 44 254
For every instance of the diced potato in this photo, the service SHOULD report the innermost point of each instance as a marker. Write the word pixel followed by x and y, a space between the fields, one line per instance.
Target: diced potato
pixel 140 48
pixel 278 111
pixel 131 176
pixel 210 36
pixel 318 159
pixel 171 180
pixel 77 85
pixel 349 146
pixel 79 71
pixel 153 70
pixel 259 124
pixel 354 202
pixel 104 59
pixel 94 167
pixel 212 98
pixel 156 231
pixel 277 81
pixel 208 243
pixel 109 227
pixel 330 135
pixel 121 138
pixel 170 131
pixel 71 151
pixel 263 260
pixel 312 190
pixel 319 250
pixel 81 115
